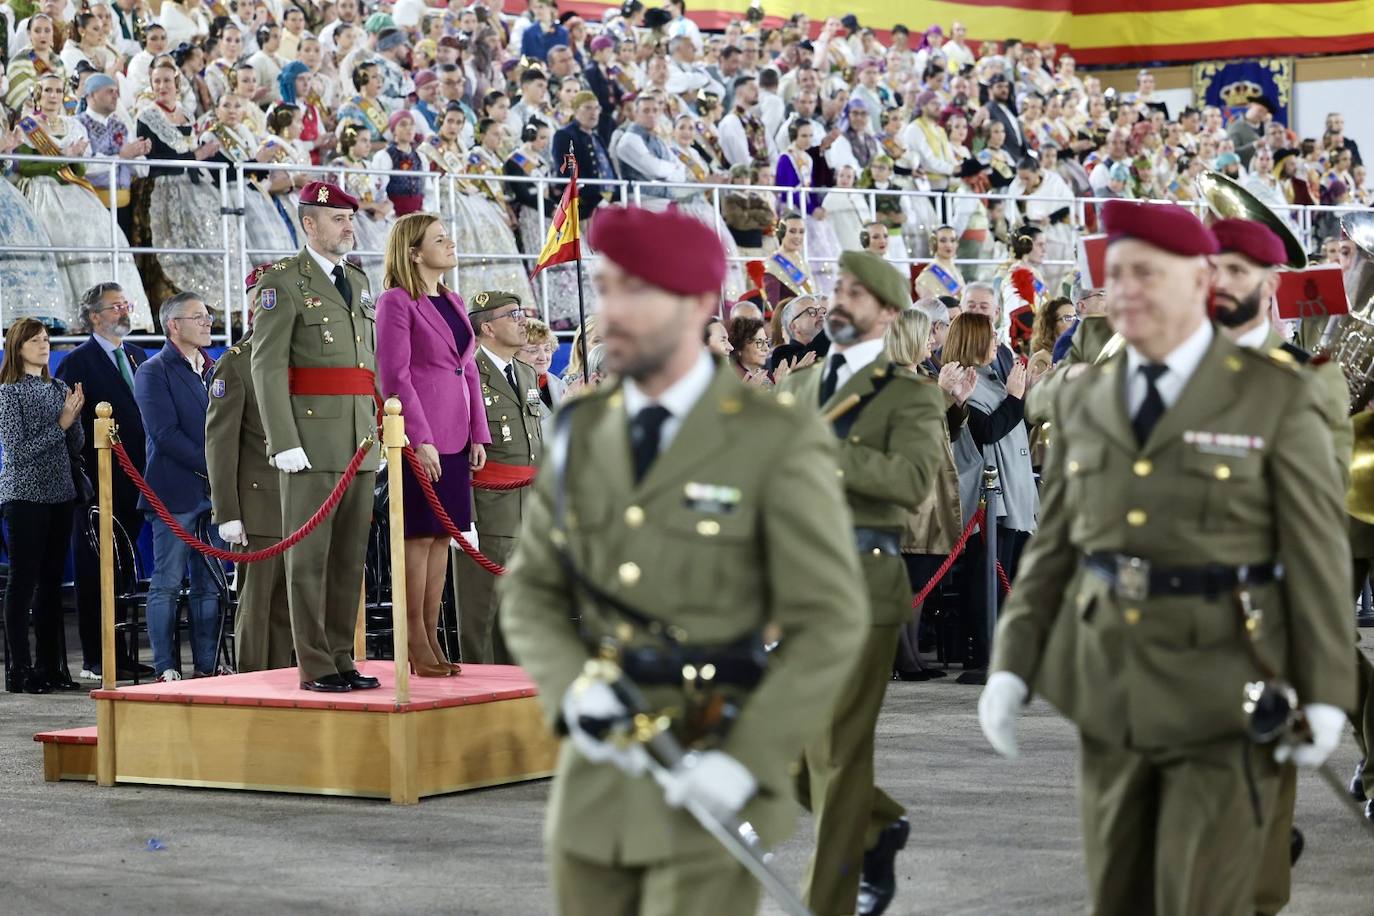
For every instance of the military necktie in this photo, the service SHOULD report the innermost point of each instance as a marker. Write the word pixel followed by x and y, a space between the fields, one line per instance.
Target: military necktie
pixel 832 377
pixel 510 377
pixel 126 371
pixel 645 431
pixel 341 284
pixel 1152 408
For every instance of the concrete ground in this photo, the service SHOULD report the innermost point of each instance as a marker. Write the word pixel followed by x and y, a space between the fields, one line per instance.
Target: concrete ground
pixel 989 837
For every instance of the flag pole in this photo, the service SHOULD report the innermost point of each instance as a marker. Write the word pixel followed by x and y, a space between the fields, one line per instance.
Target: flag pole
pixel 570 162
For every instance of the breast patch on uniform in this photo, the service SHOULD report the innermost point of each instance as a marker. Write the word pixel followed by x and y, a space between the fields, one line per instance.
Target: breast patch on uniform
pixel 217 388
pixel 710 498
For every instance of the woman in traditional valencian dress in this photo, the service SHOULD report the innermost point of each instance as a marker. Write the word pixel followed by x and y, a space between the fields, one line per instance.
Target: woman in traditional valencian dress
pixel 528 162
pixel 30 283
pixel 375 217
pixel 39 60
pixel 184 205
pixel 485 224
pixel 67 206
pixel 407 192
pixel 268 236
pixel 698 205
pixel 219 73
pixel 794 171
pixel 364 108
pixel 283 146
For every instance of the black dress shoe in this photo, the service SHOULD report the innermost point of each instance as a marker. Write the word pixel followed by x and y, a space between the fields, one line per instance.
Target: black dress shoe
pixel 61 681
pixel 1295 846
pixel 878 885
pixel 1357 783
pixel 920 674
pixel 359 681
pixel 1369 810
pixel 973 676
pixel 330 683
pixel 35 682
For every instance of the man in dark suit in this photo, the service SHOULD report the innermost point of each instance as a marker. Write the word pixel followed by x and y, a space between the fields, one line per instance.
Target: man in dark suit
pixel 1000 107
pixel 603 85
pixel 173 397
pixel 579 138
pixel 104 366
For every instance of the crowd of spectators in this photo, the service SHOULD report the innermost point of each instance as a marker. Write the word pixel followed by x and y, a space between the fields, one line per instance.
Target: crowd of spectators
pixel 638 95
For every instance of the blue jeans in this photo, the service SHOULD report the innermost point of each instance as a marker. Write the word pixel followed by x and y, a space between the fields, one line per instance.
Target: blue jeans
pixel 170 561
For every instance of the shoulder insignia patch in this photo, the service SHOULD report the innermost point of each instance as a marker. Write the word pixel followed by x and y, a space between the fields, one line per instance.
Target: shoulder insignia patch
pixel 731 406
pixel 1234 364
pixel 787 398
pixel 1283 358
pixel 267 299
pixel 217 388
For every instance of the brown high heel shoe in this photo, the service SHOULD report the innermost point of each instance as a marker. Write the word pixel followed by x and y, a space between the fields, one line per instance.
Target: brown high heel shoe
pixel 423 670
pixel 456 668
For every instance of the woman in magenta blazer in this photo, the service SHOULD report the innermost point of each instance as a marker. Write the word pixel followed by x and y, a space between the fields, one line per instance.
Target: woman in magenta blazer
pixel 425 348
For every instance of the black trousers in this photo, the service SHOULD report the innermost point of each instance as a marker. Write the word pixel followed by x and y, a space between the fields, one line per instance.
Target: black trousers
pixel 37 539
pixel 974 592
pixel 86 563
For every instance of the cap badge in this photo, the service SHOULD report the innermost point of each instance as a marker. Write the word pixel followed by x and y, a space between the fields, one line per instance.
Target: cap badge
pixel 481 298
pixel 322 196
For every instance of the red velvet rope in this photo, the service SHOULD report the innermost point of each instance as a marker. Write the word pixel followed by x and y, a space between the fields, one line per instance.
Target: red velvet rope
pixel 949 560
pixel 427 487
pixel 219 553
pixel 489 484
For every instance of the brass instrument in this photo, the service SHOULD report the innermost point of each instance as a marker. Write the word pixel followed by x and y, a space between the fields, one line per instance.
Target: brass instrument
pixel 1228 200
pixel 1349 340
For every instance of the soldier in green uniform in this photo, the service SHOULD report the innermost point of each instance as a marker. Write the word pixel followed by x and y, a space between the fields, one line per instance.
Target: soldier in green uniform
pixel 891 441
pixel 1091 339
pixel 245 501
pixel 313 365
pixel 1191 541
pixel 515 415
pixel 1244 282
pixel 680 491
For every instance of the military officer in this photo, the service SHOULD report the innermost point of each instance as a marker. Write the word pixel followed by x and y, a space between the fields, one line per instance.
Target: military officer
pixel 1244 281
pixel 515 415
pixel 1092 337
pixel 681 512
pixel 892 438
pixel 245 501
pixel 1191 541
pixel 313 363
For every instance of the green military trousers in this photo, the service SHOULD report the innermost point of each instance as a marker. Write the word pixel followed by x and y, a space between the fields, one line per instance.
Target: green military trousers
pixel 704 885
pixel 479 635
pixel 324 572
pixel 1176 831
pixel 262 622
pixel 835 781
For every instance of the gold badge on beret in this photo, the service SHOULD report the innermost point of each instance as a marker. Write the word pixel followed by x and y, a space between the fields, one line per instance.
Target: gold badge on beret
pixel 481 298
pixel 322 196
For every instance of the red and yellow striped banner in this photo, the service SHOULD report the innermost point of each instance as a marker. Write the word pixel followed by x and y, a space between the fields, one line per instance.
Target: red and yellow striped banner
pixel 1097 31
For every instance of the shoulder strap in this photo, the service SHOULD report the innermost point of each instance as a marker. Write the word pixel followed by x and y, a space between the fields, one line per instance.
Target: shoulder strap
pixel 845 422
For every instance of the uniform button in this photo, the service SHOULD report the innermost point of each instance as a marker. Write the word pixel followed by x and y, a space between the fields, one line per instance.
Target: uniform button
pixel 708 527
pixel 359 338
pixel 361 366
pixel 839 472
pixel 1136 518
pixel 629 574
pixel 854 439
pixel 877 552
pixel 309 413
pixel 326 319
pixel 1222 472
pixel 1073 467
pixel 1131 615
pixel 255 485
pixel 634 516
pixel 1143 467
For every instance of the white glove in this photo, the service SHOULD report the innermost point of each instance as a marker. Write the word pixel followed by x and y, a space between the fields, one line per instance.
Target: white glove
pixel 1327 723
pixel 233 533
pixel 998 707
pixel 713 779
pixel 290 461
pixel 587 699
pixel 470 536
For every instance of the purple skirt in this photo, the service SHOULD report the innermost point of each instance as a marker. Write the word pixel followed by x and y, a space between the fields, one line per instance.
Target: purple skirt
pixel 454 489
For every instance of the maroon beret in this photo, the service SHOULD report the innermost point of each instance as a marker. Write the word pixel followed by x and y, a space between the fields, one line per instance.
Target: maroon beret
pixel 1254 240
pixel 667 249
pixel 324 194
pixel 1168 226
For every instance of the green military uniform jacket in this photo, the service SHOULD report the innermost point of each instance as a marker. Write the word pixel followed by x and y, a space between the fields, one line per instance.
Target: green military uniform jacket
pixel 1238 471
pixel 303 322
pixel 889 461
pixel 1335 398
pixel 516 420
pixel 739 523
pixel 243 486
pixel 1089 341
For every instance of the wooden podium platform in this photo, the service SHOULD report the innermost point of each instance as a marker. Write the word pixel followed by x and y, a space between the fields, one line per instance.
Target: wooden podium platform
pixel 261 732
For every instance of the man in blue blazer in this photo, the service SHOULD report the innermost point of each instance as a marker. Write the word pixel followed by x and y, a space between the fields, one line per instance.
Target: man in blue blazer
pixel 105 366
pixel 579 138
pixel 173 397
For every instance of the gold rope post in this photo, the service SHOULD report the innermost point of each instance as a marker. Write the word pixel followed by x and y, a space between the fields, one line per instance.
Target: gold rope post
pixel 104 721
pixel 394 438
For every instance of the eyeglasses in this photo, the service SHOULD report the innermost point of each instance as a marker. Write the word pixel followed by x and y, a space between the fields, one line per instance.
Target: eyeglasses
pixel 1066 319
pixel 763 344
pixel 198 319
pixel 114 306
pixel 812 312
pixel 516 314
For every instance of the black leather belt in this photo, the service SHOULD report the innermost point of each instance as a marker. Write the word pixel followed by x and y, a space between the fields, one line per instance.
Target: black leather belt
pixel 878 540
pixel 739 664
pixel 1135 578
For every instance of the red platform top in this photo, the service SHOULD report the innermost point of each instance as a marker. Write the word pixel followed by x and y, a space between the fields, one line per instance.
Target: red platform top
pixel 281 689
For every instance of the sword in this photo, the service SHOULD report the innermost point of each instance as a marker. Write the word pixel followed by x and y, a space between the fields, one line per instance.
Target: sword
pixel 665 753
pixel 1276 718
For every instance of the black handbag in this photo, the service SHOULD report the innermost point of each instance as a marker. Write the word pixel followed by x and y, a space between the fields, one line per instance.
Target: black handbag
pixel 85 491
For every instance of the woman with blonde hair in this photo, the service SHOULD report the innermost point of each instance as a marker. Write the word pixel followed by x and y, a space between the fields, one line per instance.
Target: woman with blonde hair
pixel 933 528
pixel 426 356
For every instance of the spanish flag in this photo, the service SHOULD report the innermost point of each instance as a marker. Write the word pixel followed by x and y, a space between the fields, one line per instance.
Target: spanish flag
pixel 564 242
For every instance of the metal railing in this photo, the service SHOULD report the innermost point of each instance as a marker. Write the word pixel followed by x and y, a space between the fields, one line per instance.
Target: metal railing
pixel 443 188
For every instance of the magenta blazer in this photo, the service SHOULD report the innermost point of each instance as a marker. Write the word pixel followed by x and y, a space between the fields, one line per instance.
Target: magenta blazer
pixel 440 389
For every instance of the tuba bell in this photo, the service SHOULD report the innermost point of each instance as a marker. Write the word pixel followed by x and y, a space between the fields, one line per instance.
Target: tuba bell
pixel 1349 339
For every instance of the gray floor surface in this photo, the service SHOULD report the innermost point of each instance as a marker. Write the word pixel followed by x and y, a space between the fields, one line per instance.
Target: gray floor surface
pixel 990 836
